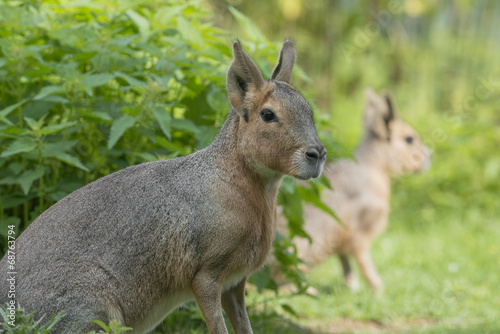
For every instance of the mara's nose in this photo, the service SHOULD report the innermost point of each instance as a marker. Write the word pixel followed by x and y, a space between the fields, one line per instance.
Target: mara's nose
pixel 314 154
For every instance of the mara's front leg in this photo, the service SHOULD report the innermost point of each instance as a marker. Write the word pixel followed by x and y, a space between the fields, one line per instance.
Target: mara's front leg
pixel 350 278
pixel 365 261
pixel 233 302
pixel 207 289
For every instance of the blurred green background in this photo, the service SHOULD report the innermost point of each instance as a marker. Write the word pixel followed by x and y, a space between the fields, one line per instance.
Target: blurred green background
pixel 85 87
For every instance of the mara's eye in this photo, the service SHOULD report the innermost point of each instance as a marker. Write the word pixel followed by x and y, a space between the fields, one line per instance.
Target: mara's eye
pixel 268 116
pixel 409 139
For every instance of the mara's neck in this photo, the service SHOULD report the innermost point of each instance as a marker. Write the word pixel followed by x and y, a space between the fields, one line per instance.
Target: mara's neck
pixel 236 167
pixel 372 154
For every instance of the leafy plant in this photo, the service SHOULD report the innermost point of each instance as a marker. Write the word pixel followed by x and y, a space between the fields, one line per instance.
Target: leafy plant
pixel 92 88
pixel 16 320
pixel 114 327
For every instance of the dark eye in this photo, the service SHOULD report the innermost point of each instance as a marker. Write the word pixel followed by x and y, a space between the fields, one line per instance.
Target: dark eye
pixel 409 139
pixel 268 116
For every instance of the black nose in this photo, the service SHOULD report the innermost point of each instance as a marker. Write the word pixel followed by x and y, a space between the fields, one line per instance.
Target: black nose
pixel 313 154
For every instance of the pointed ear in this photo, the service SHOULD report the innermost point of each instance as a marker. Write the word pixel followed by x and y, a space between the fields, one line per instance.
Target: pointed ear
pixel 242 75
pixel 283 71
pixel 391 107
pixel 379 113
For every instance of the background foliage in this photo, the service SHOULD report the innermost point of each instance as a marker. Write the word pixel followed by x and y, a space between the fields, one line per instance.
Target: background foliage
pixel 91 87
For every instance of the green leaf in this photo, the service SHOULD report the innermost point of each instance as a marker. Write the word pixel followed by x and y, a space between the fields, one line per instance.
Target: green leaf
pixel 164 119
pixel 32 123
pixel 24 144
pixel 189 32
pixel 94 80
pixel 163 17
pixel 118 129
pixel 56 127
pixel 7 110
pixel 3 61
pixel 172 146
pixel 250 28
pixel 102 115
pixel 55 98
pixel 124 5
pixel 184 124
pixel 312 195
pixel 147 156
pixel 13 201
pixel 69 159
pixel 48 90
pixel 60 146
pixel 216 99
pixel 54 319
pixel 116 327
pixel 27 178
pixel 205 136
pixel 287 308
pixel 262 279
pixel 141 22
pixel 292 210
pixel 102 324
pixel 18 167
pixel 131 80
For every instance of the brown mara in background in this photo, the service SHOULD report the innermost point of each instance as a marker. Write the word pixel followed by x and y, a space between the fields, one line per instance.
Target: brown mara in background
pixel 360 194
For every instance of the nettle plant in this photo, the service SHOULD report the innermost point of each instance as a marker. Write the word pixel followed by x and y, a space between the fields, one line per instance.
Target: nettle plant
pixel 88 88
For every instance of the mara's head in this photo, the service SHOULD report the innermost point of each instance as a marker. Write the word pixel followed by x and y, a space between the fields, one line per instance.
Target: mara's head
pixel 397 143
pixel 276 132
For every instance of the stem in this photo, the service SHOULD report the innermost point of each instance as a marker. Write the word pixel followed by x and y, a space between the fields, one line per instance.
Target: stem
pixel 26 214
pixel 20 115
pixel 40 198
pixel 1 209
pixel 15 211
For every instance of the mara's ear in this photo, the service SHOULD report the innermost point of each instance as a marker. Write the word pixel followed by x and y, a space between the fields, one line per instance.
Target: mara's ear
pixel 391 107
pixel 283 71
pixel 379 114
pixel 242 75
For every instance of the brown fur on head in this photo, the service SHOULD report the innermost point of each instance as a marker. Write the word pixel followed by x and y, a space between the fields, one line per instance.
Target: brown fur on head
pixel 396 146
pixel 275 129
